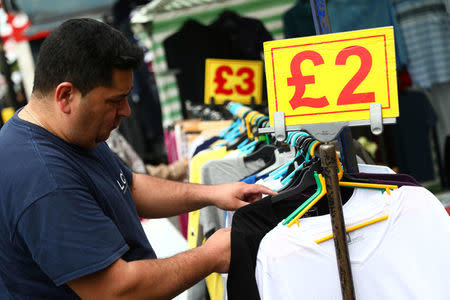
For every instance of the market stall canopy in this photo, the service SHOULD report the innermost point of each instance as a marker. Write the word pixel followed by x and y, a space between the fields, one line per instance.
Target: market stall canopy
pixel 45 15
pixel 154 22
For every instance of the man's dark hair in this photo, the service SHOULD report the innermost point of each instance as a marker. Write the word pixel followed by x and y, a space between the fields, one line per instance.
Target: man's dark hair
pixel 83 52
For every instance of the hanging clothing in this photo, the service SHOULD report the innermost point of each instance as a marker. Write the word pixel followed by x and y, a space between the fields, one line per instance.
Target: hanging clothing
pixel 298 21
pixel 367 14
pixel 409 130
pixel 119 145
pixel 252 222
pixel 405 249
pixel 197 42
pixel 246 35
pixel 440 100
pixel 425 27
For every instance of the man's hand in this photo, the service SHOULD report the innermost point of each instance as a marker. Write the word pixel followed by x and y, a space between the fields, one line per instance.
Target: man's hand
pixel 159 198
pixel 231 196
pixel 157 278
pixel 218 246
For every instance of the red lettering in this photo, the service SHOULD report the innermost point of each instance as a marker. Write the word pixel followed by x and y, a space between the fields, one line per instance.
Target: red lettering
pixel 249 81
pixel 300 81
pixel 347 95
pixel 221 81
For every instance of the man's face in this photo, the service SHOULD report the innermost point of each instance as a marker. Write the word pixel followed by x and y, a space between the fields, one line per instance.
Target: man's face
pixel 100 110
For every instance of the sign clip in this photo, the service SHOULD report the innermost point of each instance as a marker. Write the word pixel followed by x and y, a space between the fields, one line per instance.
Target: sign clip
pixel 280 127
pixel 376 118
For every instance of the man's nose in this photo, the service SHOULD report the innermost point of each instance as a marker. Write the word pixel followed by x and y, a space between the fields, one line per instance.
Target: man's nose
pixel 124 109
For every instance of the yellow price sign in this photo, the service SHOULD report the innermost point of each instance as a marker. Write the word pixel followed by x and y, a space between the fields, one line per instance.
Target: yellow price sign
pixel 236 80
pixel 332 77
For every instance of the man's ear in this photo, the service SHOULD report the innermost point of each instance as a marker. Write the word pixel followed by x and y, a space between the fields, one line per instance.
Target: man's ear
pixel 64 95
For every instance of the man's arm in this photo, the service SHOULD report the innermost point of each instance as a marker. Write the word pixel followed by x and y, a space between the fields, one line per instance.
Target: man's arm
pixel 157 198
pixel 157 278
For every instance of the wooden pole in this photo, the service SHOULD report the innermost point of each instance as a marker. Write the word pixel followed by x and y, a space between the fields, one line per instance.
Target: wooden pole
pixel 329 164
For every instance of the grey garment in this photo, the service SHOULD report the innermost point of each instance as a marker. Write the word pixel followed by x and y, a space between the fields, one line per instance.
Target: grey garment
pixel 119 145
pixel 220 171
pixel 225 170
pixel 439 96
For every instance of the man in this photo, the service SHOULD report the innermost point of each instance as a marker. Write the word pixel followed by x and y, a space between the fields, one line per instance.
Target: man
pixel 69 210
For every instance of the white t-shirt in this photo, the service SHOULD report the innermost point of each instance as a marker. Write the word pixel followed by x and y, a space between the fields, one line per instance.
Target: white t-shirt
pixel 403 257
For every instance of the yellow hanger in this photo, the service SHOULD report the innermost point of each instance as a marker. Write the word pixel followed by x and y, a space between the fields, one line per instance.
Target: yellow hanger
pixel 323 191
pixel 241 111
pixel 387 187
pixel 250 116
pixel 313 148
pixel 352 228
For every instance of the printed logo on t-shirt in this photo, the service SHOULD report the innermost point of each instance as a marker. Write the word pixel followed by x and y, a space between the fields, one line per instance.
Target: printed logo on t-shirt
pixel 355 238
pixel 123 184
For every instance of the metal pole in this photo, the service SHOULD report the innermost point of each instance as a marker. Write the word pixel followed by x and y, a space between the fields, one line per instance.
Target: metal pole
pixel 345 139
pixel 328 161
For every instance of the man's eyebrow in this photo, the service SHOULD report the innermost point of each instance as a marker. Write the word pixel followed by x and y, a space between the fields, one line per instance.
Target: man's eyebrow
pixel 121 95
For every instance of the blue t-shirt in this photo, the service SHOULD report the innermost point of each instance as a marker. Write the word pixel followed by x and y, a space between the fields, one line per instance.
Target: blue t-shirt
pixel 65 212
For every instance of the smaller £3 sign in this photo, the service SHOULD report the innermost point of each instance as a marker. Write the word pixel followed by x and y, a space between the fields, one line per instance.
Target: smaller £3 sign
pixel 236 80
pixel 333 77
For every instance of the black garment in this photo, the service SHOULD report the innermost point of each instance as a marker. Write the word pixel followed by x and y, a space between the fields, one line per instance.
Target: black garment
pixel 205 145
pixel 252 222
pixel 410 136
pixel 246 35
pixel 146 131
pixel 186 51
pixel 131 130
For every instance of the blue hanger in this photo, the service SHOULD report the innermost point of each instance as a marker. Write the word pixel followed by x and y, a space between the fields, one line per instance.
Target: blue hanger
pixel 229 129
pixel 247 149
pixel 297 135
pixel 287 179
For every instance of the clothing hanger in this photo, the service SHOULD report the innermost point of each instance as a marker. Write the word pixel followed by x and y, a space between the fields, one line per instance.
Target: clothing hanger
pixel 297 160
pixel 300 175
pixel 283 154
pixel 298 171
pixel 352 228
pixel 256 149
pixel 231 130
pixel 251 117
pixel 240 111
pixel 266 153
pixel 299 212
pixel 259 123
pixel 302 209
pixel 288 178
pixel 273 161
pixel 306 180
pixel 251 142
pixel 386 187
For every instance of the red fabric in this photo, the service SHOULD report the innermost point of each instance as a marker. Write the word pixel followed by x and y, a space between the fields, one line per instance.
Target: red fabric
pixel 183 219
pixel 448 210
pixel 404 79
